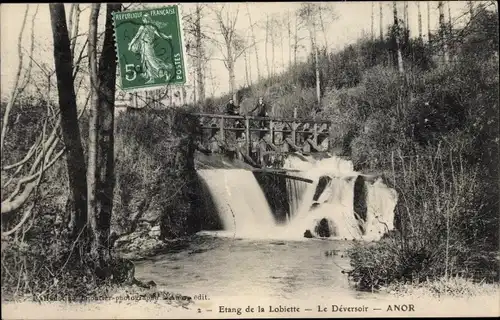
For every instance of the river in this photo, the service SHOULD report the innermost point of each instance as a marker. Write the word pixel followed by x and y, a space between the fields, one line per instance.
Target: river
pixel 257 257
pixel 226 266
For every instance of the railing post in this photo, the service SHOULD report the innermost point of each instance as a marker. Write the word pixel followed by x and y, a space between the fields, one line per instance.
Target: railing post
pixel 222 129
pixel 247 135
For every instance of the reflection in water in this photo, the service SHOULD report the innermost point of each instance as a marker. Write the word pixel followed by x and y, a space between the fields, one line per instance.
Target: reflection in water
pixel 227 267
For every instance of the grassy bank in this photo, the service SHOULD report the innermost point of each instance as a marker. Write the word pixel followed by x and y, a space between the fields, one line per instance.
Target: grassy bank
pixel 456 287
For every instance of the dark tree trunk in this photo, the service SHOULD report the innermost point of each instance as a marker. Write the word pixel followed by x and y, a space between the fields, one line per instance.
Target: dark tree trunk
pixel 75 160
pixel 105 137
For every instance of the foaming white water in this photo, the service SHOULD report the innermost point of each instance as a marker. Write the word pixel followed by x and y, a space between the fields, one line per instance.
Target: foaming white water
pixel 240 202
pixel 381 202
pixel 336 202
pixel 245 212
pixel 295 191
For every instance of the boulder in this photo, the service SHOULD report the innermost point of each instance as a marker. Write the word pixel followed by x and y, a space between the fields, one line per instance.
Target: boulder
pixel 140 244
pixel 155 231
pixel 323 228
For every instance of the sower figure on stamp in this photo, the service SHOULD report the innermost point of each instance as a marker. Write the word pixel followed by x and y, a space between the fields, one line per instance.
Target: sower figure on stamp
pixel 153 67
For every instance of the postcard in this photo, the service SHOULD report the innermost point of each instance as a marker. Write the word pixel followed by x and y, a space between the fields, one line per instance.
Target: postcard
pixel 249 160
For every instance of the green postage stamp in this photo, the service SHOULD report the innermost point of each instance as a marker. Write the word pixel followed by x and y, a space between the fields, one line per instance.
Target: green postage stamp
pixel 150 48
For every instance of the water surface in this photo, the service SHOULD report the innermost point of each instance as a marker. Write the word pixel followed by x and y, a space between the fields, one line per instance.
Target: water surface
pixel 225 266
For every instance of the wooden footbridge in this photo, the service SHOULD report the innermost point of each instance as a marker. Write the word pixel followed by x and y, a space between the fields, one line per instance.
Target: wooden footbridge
pixel 260 141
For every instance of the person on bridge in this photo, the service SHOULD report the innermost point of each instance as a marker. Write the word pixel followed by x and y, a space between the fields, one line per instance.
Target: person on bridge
pixel 262 111
pixel 261 108
pixel 231 108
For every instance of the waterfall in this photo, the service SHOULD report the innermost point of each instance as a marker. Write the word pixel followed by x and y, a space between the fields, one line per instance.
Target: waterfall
pixel 240 202
pixel 335 201
pixel 327 203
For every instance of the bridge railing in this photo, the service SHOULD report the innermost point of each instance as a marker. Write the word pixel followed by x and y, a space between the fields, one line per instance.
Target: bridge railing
pixel 293 134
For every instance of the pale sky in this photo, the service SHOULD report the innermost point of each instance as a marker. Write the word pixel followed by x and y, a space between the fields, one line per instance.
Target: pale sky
pixel 353 20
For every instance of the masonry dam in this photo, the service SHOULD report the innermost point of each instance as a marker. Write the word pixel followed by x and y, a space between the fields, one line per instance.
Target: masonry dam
pixel 274 178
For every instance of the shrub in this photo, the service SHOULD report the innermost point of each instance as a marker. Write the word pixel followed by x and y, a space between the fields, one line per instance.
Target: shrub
pixel 440 225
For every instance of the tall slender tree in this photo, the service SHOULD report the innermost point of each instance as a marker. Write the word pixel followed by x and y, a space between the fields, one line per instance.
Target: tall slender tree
pixel 429 34
pixel 289 28
pixel 442 33
pixel 232 45
pixel 105 134
pixel 309 13
pixel 381 21
pixel 75 160
pixel 254 42
pixel 199 54
pixel 267 27
pixel 373 22
pixel 419 21
pixel 397 37
pixel 407 17
pixel 247 78
pixel 323 27
pixel 449 18
pixel 272 33
pixel 93 124
pixel 297 39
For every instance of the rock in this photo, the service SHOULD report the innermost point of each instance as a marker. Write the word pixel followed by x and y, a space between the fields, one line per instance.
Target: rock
pixel 323 228
pixel 138 245
pixel 314 205
pixel 322 184
pixel 151 216
pixel 308 234
pixel 155 231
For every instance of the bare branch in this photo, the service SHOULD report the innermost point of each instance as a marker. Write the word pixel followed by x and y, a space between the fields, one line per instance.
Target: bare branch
pixel 236 56
pixel 14 204
pixel 28 156
pixel 71 14
pixel 16 200
pixel 74 33
pixel 25 217
pixel 15 90
pixel 27 75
